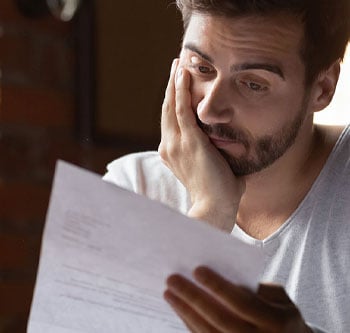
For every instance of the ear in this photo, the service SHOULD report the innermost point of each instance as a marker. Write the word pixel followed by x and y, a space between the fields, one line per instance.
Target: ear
pixel 323 88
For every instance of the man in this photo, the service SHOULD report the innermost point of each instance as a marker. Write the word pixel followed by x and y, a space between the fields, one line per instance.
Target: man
pixel 240 150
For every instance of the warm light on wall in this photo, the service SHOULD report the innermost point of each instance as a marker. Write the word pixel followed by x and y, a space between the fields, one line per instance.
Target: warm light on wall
pixel 338 112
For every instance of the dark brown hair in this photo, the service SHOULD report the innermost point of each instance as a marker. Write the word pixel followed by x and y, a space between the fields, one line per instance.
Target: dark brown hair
pixel 326 24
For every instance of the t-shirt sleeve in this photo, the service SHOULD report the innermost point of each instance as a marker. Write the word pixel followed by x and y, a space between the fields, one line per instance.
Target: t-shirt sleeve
pixel 123 172
pixel 145 174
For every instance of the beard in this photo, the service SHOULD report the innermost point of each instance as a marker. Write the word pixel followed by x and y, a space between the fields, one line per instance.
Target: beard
pixel 261 152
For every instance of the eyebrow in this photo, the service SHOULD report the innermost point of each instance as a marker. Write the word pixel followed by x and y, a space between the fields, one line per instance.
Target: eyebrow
pixel 264 66
pixel 240 67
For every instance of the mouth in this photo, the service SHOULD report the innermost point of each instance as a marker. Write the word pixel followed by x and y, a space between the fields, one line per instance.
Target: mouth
pixel 225 137
pixel 220 142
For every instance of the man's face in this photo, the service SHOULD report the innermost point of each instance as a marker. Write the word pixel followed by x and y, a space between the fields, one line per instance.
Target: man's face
pixel 247 85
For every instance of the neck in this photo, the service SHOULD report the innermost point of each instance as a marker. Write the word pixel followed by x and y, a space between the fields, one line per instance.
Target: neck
pixel 273 194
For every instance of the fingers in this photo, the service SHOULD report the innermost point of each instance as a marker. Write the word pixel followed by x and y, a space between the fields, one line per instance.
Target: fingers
pixel 229 308
pixel 270 309
pixel 170 131
pixel 179 129
pixel 194 322
pixel 177 112
pixel 199 309
pixel 241 301
pixel 169 120
pixel 184 112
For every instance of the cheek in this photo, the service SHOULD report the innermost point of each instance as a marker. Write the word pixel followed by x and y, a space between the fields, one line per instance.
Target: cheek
pixel 276 113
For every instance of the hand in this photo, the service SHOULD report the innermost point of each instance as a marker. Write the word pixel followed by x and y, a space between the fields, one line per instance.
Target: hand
pixel 221 306
pixel 187 151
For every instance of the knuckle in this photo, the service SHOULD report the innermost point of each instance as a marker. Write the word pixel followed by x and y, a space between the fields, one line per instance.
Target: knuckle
pixel 162 151
pixel 168 151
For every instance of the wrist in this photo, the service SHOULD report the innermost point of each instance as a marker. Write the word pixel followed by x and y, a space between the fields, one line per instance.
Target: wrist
pixel 215 215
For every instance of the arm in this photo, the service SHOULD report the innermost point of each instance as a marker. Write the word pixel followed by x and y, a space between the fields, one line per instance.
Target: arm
pixel 187 151
pixel 218 305
pixel 215 194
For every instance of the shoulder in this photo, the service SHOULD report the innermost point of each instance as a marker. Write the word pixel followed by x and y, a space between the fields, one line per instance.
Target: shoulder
pixel 335 145
pixel 129 170
pixel 134 161
pixel 144 173
pixel 331 191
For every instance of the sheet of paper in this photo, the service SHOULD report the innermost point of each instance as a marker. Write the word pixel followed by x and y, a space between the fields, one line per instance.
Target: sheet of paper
pixel 106 253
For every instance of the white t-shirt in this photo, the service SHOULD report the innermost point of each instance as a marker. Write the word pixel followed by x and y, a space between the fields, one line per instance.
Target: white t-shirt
pixel 309 254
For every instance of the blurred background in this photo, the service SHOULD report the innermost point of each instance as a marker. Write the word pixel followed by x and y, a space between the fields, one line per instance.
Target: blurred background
pixel 82 81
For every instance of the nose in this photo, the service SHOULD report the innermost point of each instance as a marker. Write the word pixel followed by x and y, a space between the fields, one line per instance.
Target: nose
pixel 217 105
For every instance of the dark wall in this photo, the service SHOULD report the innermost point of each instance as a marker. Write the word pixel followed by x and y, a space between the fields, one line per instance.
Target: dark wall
pixel 38 124
pixel 135 44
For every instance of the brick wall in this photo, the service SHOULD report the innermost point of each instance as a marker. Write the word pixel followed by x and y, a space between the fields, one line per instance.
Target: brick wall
pixel 37 126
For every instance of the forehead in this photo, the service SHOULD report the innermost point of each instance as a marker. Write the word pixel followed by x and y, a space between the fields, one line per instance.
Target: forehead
pixel 256 36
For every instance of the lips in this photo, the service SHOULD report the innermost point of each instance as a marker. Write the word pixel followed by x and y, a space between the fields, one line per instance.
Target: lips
pixel 223 135
pixel 219 142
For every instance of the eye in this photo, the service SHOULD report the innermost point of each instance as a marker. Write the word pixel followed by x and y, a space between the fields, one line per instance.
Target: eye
pixel 252 86
pixel 204 69
pixel 201 70
pixel 255 86
pixel 199 66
